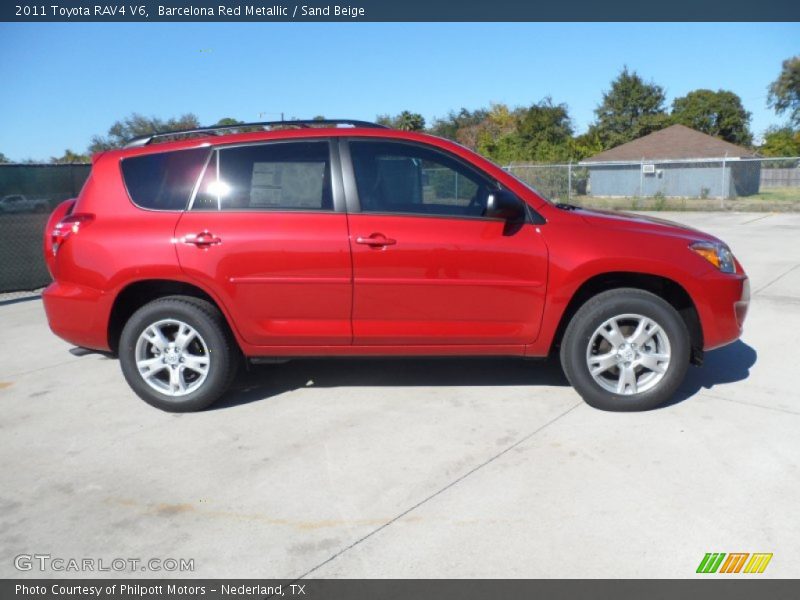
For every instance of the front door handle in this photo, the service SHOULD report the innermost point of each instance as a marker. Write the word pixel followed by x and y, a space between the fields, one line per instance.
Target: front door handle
pixel 201 240
pixel 376 240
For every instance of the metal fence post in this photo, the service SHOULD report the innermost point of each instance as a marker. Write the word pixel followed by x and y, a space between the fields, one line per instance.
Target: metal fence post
pixel 641 178
pixel 722 189
pixel 569 181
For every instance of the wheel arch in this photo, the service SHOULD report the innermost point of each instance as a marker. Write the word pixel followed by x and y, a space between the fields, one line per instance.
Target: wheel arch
pixel 138 293
pixel 664 287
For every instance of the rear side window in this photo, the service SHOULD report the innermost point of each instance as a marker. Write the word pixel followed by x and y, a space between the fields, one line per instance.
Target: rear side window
pixel 163 181
pixel 276 176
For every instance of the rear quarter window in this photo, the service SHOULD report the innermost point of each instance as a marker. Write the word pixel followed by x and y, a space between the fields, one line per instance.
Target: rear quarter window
pixel 163 181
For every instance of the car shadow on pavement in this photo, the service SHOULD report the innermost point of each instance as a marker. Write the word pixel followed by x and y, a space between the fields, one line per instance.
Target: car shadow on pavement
pixel 261 382
pixel 728 364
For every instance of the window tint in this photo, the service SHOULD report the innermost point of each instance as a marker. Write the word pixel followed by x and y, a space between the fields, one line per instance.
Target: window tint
pixel 163 181
pixel 277 176
pixel 405 178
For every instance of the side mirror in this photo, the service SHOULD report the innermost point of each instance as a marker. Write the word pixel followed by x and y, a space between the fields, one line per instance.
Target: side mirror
pixel 502 204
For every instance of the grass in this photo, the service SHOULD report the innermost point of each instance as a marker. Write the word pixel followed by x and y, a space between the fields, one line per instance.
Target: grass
pixel 778 194
pixel 770 200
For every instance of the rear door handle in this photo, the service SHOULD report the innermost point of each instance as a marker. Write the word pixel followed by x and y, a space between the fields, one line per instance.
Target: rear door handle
pixel 376 240
pixel 201 240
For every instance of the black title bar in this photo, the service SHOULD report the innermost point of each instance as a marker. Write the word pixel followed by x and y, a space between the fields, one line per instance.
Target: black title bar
pixel 706 588
pixel 400 10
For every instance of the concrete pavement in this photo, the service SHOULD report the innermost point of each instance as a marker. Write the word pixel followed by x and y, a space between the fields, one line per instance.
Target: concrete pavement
pixel 414 468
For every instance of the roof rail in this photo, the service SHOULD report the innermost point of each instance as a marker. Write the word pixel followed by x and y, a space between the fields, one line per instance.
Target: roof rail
pixel 308 123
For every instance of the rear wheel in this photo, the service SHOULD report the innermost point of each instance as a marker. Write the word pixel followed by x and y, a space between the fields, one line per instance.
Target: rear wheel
pixel 626 349
pixel 176 353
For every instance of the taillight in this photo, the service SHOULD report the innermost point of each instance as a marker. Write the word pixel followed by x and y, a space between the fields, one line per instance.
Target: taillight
pixel 68 226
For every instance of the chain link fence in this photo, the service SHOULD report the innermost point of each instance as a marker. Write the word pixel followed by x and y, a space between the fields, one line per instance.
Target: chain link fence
pixel 687 184
pixel 28 194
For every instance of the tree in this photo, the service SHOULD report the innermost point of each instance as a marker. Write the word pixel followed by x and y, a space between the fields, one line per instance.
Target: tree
pixel 720 114
pixel 137 125
pixel 781 141
pixel 497 135
pixel 629 110
pixel 405 121
pixel 784 92
pixel 230 121
pixel 545 130
pixel 4 160
pixel 540 132
pixel 227 121
pixel 461 126
pixel 586 145
pixel 69 157
pixel 408 121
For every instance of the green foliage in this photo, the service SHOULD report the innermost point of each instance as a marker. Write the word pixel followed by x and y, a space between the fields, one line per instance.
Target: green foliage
pixel 69 157
pixel 720 114
pixel 136 125
pixel 545 131
pixel 4 160
pixel 497 137
pixel 781 141
pixel 659 201
pixel 405 121
pixel 586 145
pixel 631 109
pixel 784 92
pixel 457 124
pixel 229 121
pixel 540 132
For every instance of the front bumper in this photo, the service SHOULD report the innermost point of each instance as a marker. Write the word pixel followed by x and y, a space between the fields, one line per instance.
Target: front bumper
pixel 722 301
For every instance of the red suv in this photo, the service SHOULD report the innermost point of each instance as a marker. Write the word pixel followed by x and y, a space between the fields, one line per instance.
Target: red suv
pixel 342 238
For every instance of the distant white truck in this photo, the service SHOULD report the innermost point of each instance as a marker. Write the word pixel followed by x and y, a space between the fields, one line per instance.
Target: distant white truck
pixel 18 203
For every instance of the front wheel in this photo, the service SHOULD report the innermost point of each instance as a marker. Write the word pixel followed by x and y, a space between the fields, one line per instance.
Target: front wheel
pixel 626 350
pixel 177 354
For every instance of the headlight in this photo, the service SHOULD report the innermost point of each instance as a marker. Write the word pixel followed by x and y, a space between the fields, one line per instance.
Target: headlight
pixel 717 253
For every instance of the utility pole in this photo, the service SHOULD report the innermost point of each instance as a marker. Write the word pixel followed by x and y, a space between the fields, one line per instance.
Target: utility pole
pixel 262 114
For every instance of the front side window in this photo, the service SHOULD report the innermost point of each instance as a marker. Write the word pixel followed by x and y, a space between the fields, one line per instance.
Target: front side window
pixel 276 176
pixel 163 181
pixel 396 177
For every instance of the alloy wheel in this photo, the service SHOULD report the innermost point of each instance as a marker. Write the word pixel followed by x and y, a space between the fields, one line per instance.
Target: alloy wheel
pixel 172 357
pixel 628 354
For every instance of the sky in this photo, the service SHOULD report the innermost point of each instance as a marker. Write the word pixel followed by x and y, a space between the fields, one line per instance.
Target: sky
pixel 64 82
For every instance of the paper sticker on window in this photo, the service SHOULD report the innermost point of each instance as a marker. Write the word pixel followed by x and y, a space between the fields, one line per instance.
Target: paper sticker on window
pixel 287 184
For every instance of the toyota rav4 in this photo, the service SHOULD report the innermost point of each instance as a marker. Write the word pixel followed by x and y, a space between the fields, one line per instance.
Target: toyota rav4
pixel 190 256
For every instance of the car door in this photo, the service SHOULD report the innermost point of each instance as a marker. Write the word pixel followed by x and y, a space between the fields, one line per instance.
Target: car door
pixel 267 232
pixel 428 266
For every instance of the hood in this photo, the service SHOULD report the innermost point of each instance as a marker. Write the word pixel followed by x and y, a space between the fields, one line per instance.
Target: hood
pixel 644 224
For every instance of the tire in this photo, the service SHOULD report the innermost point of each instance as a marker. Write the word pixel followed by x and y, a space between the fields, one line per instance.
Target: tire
pixel 171 377
pixel 630 370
